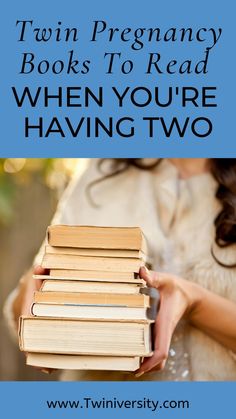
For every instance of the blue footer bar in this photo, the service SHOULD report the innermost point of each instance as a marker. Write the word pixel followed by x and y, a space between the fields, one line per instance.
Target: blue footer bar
pixel 117 399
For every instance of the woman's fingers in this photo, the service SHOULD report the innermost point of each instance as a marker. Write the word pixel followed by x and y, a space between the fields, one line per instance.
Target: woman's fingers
pixel 47 370
pixel 153 279
pixel 173 305
pixel 38 270
pixel 163 330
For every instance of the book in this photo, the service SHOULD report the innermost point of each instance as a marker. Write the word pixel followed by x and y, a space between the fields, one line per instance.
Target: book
pixel 90 286
pixel 92 310
pixel 77 311
pixel 118 253
pixel 83 362
pixel 92 299
pixel 130 238
pixel 91 276
pixel 85 337
pixel 108 264
pixel 96 275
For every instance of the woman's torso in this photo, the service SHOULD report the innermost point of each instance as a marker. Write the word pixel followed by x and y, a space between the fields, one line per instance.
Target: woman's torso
pixel 177 217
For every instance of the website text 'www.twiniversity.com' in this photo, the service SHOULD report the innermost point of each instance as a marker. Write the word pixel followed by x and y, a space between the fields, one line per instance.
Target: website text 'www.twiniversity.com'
pixel 114 403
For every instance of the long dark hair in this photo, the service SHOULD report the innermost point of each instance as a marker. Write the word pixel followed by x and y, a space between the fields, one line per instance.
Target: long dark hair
pixel 223 170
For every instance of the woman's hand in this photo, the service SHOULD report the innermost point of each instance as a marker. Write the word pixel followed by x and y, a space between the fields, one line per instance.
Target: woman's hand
pixel 180 298
pixel 176 300
pixel 23 303
pixel 27 286
pixel 31 285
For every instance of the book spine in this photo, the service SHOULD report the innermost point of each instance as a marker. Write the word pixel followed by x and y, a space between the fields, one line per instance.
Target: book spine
pixel 96 263
pixel 93 299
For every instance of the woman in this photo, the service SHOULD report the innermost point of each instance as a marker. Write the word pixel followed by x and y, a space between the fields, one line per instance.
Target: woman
pixel 187 210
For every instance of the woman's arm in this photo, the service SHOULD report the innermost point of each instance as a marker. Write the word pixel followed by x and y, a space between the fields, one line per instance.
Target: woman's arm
pixel 179 298
pixel 216 316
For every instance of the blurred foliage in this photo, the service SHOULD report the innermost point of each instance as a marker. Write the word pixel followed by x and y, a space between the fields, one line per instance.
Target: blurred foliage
pixel 16 173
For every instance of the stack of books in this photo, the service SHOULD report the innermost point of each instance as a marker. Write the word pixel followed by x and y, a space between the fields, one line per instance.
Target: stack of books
pixel 91 311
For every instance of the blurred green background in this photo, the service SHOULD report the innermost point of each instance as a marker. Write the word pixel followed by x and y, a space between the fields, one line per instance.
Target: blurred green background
pixel 29 192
